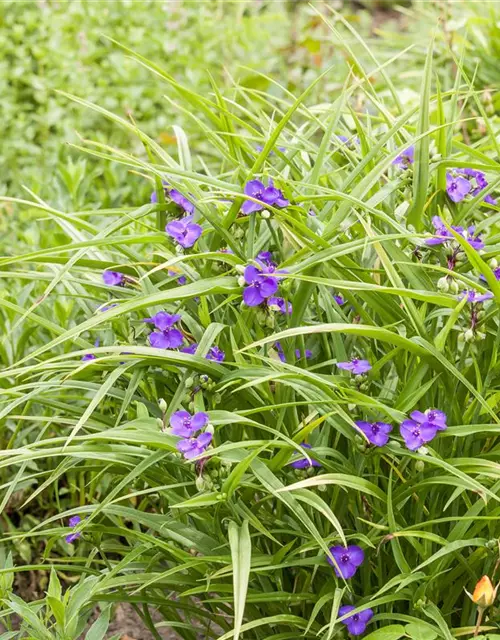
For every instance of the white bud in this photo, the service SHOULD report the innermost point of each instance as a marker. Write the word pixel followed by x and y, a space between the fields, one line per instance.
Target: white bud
pixel 209 428
pixel 265 214
pixel 240 268
pixel 241 281
pixel 423 451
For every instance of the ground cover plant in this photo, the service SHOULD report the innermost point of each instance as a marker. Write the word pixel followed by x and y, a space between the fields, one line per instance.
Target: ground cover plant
pixel 260 398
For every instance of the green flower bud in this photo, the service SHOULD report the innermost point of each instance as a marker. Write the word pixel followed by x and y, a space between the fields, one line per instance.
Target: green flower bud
pixel 469 335
pixel 480 336
pixel 189 382
pixel 454 288
pixel 159 423
pixel 241 281
pixel 443 284
pixel 419 465
pixel 265 214
pixel 493 263
pixel 163 405
pixel 217 398
pixel 209 428
pixel 191 407
pixel 270 322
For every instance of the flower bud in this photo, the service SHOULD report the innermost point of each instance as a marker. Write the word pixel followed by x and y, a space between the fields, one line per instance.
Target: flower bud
pixel 241 281
pixel 209 428
pixel 191 406
pixel 443 284
pixel 484 594
pixel 454 288
pixel 179 249
pixel 480 336
pixel 186 399
pixel 204 378
pixel 419 465
pixel 270 322
pixel 189 382
pixel 200 483
pixel 265 214
pixel 423 451
pixel 159 423
pixel 217 398
pixel 469 335
pixel 493 263
pixel 162 404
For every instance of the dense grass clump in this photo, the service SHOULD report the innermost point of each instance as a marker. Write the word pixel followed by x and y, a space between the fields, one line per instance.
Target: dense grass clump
pixel 260 398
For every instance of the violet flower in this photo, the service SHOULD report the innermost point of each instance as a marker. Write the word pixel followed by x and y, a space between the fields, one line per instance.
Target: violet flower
pixel 113 278
pixel 489 199
pixel 405 158
pixel 193 447
pixel 175 196
pixel 281 354
pixel 260 286
pixel 266 257
pixel 422 427
pixel 215 354
pixel 348 560
pixel 184 231
pixel 90 356
pixel 279 304
pixel 358 367
pixel 186 425
pixel 376 432
pixel 181 279
pixel 457 187
pixel 474 297
pixel 444 235
pixel 191 349
pixel 355 624
pixel 267 196
pixel 303 463
pixel 73 522
pixel 166 337
pixel 339 299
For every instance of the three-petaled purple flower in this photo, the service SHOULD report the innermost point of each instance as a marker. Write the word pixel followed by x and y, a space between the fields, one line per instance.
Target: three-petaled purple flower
pixel 422 427
pixel 186 425
pixel 184 231
pixel 405 158
pixel 376 432
pixel 348 560
pixel 267 196
pixel 193 447
pixel 303 463
pixel 175 196
pixel 457 187
pixel 444 235
pixel 339 299
pixel 358 367
pixel 474 297
pixel 73 522
pixel 260 285
pixel 166 337
pixel 355 624
pixel 113 278
pixel 279 304
pixel 90 356
pixel 215 354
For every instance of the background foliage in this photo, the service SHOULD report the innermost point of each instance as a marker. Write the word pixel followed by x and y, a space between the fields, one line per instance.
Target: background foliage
pixel 237 548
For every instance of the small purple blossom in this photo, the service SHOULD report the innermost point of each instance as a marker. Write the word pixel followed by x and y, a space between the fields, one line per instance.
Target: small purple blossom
pixel 73 522
pixel 422 427
pixel 357 623
pixel 90 356
pixel 163 320
pixel 307 353
pixel 475 241
pixel 348 560
pixel 193 447
pixel 474 297
pixel 376 432
pixel 186 425
pixel 457 187
pixel 175 196
pixel 215 354
pixel 267 196
pixel 184 231
pixel 405 158
pixel 113 278
pixel 261 286
pixel 444 235
pixel 303 463
pixel 180 278
pixel 166 337
pixel 266 258
pixel 489 199
pixel 358 367
pixel 339 299
pixel 191 349
pixel 279 304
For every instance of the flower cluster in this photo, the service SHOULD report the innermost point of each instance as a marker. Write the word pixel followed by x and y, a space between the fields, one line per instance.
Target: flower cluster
pixel 422 427
pixel 462 182
pixel 358 367
pixel 443 234
pixel 73 522
pixel 185 425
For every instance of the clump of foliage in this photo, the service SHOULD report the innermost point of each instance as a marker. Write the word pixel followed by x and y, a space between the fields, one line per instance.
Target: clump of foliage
pixel 263 402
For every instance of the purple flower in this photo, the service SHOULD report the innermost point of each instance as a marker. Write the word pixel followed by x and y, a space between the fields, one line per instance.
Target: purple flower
pixel 422 427
pixel 190 349
pixel 184 231
pixel 192 447
pixel 474 241
pixel 339 299
pixel 90 356
pixel 431 416
pixel 73 522
pixel 259 148
pixel 215 354
pixel 269 195
pixel 474 296
pixel 279 304
pixel 405 158
pixel 376 432
pixel 355 624
pixel 163 320
pixel 444 235
pixel 348 560
pixel 457 187
pixel 260 286
pixel 185 425
pixel 166 337
pixel 113 278
pixel 266 257
pixel 303 463
pixel 307 353
pixel 181 279
pixel 358 367
pixel 279 349
pixel 176 197
pixel 489 199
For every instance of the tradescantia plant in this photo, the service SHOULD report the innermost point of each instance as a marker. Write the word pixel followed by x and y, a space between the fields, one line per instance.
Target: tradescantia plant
pixel 288 426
